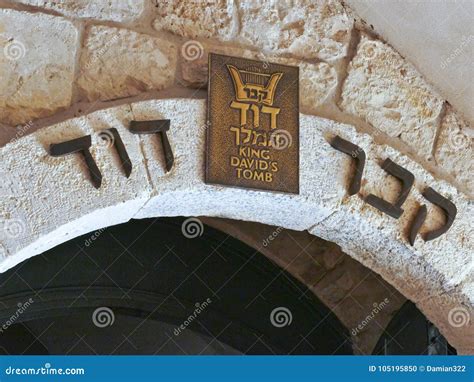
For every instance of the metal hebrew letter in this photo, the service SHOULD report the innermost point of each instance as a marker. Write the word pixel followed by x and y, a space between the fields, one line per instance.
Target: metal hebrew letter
pixel 273 111
pixel 248 132
pixel 446 205
pixel 152 127
pixel 243 107
pixel 79 145
pixel 355 152
pixel 256 115
pixel 407 179
pixel 121 150
pixel 417 223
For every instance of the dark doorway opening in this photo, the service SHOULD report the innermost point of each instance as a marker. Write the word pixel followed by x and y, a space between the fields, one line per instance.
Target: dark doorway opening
pixel 144 287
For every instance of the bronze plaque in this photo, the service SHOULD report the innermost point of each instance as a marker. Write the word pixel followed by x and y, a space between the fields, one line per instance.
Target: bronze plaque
pixel 253 124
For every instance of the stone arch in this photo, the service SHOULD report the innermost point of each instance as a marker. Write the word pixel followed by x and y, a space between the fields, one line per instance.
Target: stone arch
pixel 49 200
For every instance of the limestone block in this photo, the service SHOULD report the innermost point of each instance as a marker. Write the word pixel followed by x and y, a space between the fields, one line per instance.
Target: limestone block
pixel 455 149
pixel 35 79
pixel 317 81
pixel 192 19
pixel 47 200
pixel 388 92
pixel 305 28
pixel 113 10
pixel 119 63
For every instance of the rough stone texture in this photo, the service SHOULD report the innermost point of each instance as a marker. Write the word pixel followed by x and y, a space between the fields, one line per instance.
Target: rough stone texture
pixel 455 149
pixel 48 200
pixel 197 18
pixel 119 63
pixel 113 10
pixel 344 285
pixel 436 36
pixel 305 28
pixel 70 206
pixel 386 91
pixel 317 81
pixel 35 80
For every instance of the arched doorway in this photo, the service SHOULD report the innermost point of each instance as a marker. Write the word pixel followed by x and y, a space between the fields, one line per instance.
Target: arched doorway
pixel 155 286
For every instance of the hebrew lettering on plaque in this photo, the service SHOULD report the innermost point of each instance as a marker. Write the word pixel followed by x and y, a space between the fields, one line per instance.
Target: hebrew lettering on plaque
pixel 253 124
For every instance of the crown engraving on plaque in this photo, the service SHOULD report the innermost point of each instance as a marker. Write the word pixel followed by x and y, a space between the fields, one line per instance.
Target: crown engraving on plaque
pixel 253 86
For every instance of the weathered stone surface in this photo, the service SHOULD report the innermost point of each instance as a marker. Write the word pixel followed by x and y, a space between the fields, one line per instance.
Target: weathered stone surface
pixel 390 94
pixel 119 63
pixel 194 63
pixel 447 268
pixel 70 206
pixel 310 29
pixel 114 10
pixel 455 149
pixel 305 28
pixel 436 36
pixel 47 200
pixel 317 81
pixel 35 80
pixel 195 18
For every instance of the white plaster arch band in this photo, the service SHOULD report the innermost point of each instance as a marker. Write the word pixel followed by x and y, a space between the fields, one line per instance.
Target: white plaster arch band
pixel 48 200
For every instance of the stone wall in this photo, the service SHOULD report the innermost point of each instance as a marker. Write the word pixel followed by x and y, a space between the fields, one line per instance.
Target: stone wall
pixel 68 58
pixel 61 61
